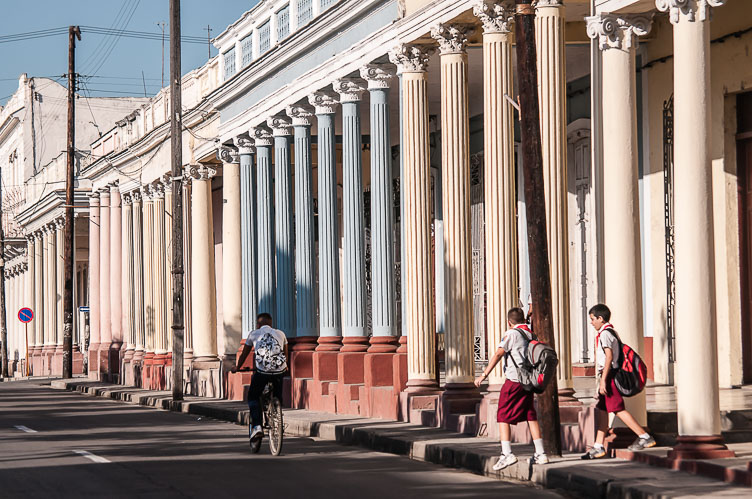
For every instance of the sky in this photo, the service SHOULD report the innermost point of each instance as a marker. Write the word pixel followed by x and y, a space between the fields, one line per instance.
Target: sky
pixel 112 66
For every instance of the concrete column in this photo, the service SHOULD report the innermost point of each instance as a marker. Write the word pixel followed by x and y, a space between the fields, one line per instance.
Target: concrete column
pixel 30 295
pixel 354 339
pixel 148 273
pixel 50 284
pixel 419 323
pixel 159 288
pixel 138 277
pixel 696 344
pixel 499 173
pixel 283 231
pixel 264 221
pixel 39 268
pixel 305 267
pixel 116 264
pixel 168 261
pixel 232 262
pixel 59 287
pixel 455 158
pixel 247 234
pixel 379 78
pixel 552 90
pixel 617 36
pixel 94 257
pixel 330 318
pixel 203 283
pixel 105 325
pixel 187 189
pixel 127 278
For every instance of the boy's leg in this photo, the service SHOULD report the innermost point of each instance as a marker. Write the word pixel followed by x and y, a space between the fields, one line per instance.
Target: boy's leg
pixel 537 438
pixel 601 425
pixel 631 422
pixel 258 382
pixel 505 435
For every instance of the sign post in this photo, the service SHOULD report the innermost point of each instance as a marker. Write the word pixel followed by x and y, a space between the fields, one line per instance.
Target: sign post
pixel 26 315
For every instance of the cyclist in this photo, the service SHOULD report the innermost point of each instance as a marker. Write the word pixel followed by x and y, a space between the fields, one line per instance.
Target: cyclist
pixel 270 359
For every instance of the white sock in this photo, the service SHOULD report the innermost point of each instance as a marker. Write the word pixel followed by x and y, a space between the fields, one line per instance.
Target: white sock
pixel 506 447
pixel 598 446
pixel 645 436
pixel 538 443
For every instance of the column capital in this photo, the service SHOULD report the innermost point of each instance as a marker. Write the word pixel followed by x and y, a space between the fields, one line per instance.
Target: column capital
pixel 452 38
pixel 157 189
pixel 324 102
pixel 349 89
pixel 549 3
pixel 94 195
pixel 618 31
pixel 280 124
pixel 202 172
pixel 104 193
pixel 262 136
pixel 301 114
pixel 229 155
pixel 135 196
pixel 411 58
pixel 244 145
pixel 496 17
pixel 60 223
pixel 378 76
pixel 114 187
pixel 689 10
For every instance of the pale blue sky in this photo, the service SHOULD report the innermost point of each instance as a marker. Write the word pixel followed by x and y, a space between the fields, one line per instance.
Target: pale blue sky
pixel 119 73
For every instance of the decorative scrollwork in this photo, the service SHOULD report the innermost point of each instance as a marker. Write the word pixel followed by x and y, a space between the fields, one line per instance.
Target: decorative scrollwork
pixel 452 38
pixel 349 89
pixel 324 102
pixel 377 75
pixel 618 31
pixel 496 17
pixel 411 58
pixel 689 9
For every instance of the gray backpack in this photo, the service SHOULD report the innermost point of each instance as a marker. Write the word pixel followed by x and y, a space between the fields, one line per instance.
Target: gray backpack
pixel 538 365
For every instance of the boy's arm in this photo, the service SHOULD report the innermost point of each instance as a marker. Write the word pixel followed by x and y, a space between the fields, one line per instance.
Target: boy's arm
pixel 491 364
pixel 606 369
pixel 243 355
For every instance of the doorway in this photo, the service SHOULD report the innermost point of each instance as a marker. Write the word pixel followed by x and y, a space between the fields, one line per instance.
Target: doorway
pixel 744 173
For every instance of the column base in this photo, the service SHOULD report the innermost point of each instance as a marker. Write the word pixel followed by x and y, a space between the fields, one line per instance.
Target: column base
pixel 402 344
pixel 567 398
pixel 383 344
pixel 301 356
pixel 700 447
pixel 329 344
pixel 354 344
pixel 415 386
pixel 129 354
pixel 461 389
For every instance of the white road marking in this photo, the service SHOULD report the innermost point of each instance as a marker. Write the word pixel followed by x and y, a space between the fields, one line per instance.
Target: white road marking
pixel 25 429
pixel 92 457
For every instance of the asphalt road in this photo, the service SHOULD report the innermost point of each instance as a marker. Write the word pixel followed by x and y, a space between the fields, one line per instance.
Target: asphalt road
pixel 62 444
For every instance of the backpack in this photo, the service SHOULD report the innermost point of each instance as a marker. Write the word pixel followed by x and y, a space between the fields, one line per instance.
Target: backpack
pixel 632 374
pixel 539 363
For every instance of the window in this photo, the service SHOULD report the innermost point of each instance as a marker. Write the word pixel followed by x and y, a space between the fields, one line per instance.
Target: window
pixel 326 3
pixel 305 11
pixel 246 49
pixel 229 63
pixel 283 23
pixel 264 37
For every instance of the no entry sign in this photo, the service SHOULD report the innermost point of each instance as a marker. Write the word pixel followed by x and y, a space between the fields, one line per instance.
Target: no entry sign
pixel 25 315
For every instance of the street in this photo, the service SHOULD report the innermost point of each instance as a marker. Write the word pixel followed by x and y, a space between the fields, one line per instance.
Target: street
pixel 62 444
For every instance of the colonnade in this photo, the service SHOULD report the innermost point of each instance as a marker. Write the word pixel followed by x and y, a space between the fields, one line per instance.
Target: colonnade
pixel 16 278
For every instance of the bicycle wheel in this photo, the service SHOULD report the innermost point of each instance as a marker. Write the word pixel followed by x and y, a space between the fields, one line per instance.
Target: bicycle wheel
pixel 275 426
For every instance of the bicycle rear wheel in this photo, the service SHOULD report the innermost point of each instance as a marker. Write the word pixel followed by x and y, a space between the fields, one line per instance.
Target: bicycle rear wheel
pixel 275 426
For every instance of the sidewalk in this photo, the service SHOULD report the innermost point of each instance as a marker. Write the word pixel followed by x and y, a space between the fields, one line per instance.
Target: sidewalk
pixel 609 478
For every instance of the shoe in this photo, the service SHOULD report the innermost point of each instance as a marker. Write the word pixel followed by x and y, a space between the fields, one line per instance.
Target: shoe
pixel 594 453
pixel 504 461
pixel 540 459
pixel 257 433
pixel 642 444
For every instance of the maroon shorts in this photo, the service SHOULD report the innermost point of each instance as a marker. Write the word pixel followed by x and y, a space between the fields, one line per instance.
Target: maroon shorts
pixel 612 401
pixel 515 404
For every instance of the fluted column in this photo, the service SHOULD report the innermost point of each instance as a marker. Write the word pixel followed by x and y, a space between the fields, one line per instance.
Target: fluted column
pixel 305 269
pixel 127 278
pixel 696 336
pixel 203 285
pixel 264 219
pixel 148 274
pixel 138 277
pixel 59 285
pixel 283 231
pixel 159 288
pixel 168 261
pixel 50 282
pixel 330 318
pixel 353 231
pixel 552 85
pixel 188 300
pixel 94 265
pixel 499 173
pixel 232 262
pixel 419 322
pixel 105 325
pixel 39 291
pixel 247 234
pixel 116 264
pixel 379 78
pixel 29 294
pixel 617 36
pixel 455 158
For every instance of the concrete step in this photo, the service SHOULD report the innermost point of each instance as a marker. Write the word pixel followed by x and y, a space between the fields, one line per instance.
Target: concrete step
pixel 734 420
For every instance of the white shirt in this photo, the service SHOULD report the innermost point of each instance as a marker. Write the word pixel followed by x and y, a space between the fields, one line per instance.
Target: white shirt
pixel 514 345
pixel 269 349
pixel 606 339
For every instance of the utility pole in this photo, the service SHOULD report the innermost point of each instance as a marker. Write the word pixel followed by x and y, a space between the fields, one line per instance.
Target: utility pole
pixel 208 39
pixel 68 239
pixel 176 142
pixel 3 322
pixel 535 205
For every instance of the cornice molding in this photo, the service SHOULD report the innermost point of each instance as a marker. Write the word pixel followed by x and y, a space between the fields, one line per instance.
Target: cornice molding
pixel 618 31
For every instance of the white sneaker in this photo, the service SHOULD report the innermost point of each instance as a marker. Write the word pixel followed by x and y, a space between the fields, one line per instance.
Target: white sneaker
pixel 257 432
pixel 540 458
pixel 504 461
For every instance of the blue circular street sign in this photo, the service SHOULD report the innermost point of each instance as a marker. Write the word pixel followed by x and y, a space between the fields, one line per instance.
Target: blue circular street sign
pixel 25 315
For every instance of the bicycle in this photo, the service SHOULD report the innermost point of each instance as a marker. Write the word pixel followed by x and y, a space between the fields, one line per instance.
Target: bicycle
pixel 271 409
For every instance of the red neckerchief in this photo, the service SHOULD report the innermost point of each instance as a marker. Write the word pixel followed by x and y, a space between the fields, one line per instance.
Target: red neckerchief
pixel 523 326
pixel 607 325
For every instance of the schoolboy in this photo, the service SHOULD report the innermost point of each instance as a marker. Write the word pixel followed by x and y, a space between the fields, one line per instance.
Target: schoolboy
pixel 609 398
pixel 516 405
